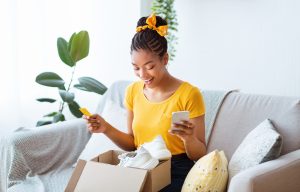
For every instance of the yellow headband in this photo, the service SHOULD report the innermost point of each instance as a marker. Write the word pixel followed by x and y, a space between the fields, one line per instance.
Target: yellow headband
pixel 151 22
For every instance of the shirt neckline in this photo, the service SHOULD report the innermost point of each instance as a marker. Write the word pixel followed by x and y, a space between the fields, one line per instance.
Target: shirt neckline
pixel 160 102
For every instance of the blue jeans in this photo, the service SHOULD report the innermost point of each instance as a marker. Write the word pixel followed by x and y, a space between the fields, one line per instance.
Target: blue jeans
pixel 180 167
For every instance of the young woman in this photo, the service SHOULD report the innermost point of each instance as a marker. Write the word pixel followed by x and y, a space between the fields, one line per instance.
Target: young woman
pixel 151 101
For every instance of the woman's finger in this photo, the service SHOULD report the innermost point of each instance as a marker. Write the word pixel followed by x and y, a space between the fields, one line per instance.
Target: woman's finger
pixel 94 116
pixel 94 120
pixel 90 128
pixel 95 124
pixel 187 124
pixel 183 125
pixel 183 129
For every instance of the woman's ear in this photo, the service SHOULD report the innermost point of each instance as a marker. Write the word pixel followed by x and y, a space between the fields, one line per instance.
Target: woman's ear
pixel 166 58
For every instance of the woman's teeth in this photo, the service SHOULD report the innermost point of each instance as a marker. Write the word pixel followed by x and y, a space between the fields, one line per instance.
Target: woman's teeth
pixel 148 81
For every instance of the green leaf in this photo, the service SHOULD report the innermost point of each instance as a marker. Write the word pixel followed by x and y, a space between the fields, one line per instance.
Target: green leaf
pixel 92 85
pixel 63 52
pixel 46 100
pixel 50 114
pixel 165 9
pixel 42 122
pixel 74 108
pixel 80 46
pixel 66 96
pixel 78 86
pixel 70 41
pixel 50 79
pixel 58 117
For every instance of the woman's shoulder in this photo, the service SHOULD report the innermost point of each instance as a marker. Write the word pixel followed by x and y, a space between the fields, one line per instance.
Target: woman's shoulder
pixel 135 85
pixel 188 87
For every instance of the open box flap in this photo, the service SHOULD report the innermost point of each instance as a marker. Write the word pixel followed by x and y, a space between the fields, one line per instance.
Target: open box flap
pixel 97 177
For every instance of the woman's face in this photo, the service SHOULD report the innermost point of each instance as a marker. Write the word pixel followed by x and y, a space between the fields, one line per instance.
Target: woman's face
pixel 149 67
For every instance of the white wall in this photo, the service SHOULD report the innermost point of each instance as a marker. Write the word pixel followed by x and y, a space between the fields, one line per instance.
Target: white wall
pixel 250 45
pixel 9 102
pixel 29 37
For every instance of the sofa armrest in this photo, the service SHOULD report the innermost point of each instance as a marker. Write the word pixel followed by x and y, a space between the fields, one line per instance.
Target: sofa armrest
pixel 282 174
pixel 45 148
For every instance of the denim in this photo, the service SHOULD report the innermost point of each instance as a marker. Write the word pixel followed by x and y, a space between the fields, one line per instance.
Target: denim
pixel 180 167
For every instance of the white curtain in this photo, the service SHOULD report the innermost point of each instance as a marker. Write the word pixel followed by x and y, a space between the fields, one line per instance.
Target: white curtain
pixel 9 100
pixel 28 47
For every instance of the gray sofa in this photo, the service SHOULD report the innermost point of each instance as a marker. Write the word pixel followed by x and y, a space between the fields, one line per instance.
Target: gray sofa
pixel 237 115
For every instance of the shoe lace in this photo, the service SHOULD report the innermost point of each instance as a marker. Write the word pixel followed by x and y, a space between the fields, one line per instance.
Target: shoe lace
pixel 124 157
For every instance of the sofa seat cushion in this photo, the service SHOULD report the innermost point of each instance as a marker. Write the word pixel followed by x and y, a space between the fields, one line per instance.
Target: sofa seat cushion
pixel 262 144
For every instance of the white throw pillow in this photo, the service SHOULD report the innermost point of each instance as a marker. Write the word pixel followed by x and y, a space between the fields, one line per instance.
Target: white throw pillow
pixel 99 143
pixel 262 144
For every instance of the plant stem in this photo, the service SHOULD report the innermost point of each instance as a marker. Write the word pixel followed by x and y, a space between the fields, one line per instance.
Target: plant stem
pixel 62 104
pixel 71 78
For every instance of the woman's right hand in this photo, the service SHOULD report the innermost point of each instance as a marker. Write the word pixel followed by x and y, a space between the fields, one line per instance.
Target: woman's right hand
pixel 96 124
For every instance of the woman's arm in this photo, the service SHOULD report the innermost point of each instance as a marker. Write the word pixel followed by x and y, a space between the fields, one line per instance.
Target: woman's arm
pixel 125 141
pixel 192 133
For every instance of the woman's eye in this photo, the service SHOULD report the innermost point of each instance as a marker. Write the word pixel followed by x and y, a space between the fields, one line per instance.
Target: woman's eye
pixel 151 67
pixel 135 68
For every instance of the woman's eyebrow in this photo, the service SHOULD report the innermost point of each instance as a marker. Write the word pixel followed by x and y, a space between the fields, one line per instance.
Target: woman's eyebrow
pixel 144 63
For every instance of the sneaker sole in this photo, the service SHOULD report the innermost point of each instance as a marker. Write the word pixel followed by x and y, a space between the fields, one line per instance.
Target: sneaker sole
pixel 161 154
pixel 150 164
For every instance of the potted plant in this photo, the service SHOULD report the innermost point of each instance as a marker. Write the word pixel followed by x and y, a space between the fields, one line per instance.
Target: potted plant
pixel 70 52
pixel 165 9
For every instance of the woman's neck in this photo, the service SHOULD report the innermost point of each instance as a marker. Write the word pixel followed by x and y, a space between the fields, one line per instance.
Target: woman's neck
pixel 167 84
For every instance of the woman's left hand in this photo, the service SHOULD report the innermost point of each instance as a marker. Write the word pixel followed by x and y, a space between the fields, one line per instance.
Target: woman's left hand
pixel 184 130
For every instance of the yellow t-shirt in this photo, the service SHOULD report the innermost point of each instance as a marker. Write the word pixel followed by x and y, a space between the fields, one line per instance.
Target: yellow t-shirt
pixel 154 118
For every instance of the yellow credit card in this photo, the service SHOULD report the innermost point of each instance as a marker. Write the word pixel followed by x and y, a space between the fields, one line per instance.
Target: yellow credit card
pixel 85 111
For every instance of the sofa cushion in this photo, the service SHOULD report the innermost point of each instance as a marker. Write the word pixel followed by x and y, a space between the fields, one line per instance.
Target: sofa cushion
pixel 288 125
pixel 262 144
pixel 208 174
pixel 240 113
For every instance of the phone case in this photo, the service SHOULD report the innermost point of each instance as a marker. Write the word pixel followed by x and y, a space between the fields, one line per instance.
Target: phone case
pixel 179 116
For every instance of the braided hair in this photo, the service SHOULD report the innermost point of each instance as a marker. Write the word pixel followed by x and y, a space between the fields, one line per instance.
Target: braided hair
pixel 149 39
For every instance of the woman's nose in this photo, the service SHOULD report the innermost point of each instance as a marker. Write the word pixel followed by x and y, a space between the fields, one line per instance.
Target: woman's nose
pixel 142 73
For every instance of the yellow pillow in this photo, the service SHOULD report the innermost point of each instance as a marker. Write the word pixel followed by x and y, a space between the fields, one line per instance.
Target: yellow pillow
pixel 208 174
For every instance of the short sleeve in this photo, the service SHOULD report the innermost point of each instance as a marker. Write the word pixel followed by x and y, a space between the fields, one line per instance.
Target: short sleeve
pixel 128 101
pixel 195 103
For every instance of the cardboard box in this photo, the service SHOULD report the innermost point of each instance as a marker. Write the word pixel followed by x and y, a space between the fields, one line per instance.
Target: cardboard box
pixel 102 174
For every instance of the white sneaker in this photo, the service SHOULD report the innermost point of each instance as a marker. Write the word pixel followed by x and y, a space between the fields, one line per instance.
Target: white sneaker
pixel 142 160
pixel 124 157
pixel 158 149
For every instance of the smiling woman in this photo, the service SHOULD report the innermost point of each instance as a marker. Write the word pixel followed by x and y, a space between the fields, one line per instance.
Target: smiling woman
pixel 151 101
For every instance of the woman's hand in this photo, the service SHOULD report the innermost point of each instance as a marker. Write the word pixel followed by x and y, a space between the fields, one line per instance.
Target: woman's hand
pixel 96 124
pixel 184 130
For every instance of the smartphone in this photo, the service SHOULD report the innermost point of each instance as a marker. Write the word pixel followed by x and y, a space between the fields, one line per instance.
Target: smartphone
pixel 179 116
pixel 85 111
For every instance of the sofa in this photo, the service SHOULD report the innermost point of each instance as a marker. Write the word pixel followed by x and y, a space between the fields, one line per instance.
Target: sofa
pixel 237 113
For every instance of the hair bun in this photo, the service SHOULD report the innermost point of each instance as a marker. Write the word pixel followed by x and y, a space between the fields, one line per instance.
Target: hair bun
pixel 151 23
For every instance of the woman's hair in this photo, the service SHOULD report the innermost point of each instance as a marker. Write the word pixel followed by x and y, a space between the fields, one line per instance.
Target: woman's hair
pixel 149 39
